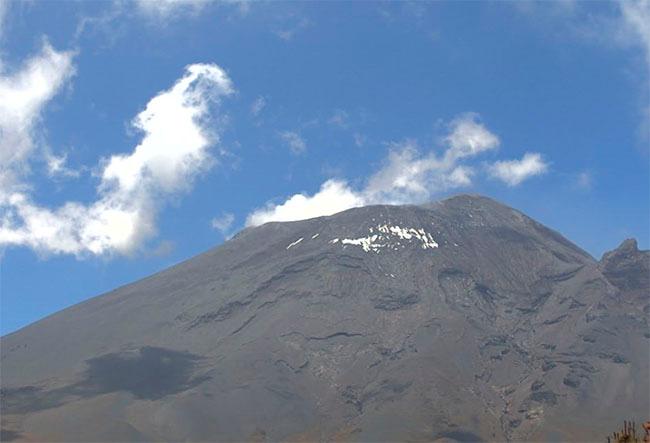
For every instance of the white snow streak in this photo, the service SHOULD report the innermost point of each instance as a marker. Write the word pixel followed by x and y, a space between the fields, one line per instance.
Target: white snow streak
pixel 367 243
pixel 295 243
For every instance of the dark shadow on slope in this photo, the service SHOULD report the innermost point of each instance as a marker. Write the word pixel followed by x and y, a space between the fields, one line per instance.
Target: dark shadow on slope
pixel 7 435
pixel 461 436
pixel 149 373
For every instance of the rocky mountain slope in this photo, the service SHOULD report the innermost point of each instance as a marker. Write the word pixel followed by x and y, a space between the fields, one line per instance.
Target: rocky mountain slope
pixel 462 320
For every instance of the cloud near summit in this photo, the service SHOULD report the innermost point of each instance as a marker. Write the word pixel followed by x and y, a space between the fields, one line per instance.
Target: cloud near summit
pixel 406 176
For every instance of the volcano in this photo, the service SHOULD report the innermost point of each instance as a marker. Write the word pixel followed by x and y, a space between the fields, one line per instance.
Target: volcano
pixel 460 320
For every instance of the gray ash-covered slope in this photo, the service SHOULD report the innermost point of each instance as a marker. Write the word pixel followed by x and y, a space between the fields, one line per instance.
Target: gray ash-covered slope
pixel 460 320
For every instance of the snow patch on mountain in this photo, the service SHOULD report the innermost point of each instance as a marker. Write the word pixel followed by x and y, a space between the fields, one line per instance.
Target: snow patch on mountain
pixel 295 243
pixel 391 237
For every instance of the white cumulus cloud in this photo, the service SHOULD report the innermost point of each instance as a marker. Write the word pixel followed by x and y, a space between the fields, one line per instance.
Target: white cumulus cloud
pixel 513 172
pixel 334 196
pixel 23 96
pixel 406 176
pixel 173 150
pixel 468 137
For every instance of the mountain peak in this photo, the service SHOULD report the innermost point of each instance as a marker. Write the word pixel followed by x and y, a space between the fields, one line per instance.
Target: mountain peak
pixel 458 224
pixel 468 200
pixel 468 197
pixel 628 245
pixel 629 248
pixel 628 268
pixel 351 322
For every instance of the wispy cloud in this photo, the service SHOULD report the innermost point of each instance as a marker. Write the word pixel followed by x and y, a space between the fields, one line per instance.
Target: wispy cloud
pixel 294 141
pixel 339 118
pixel 359 139
pixel 113 20
pixel 164 248
pixel 176 137
pixel 57 166
pixel 636 20
pixel 621 24
pixel 350 122
pixel 636 23
pixel 584 181
pixel 406 176
pixel 293 26
pixel 258 106
pixel 223 223
pixel 513 172
pixel 164 9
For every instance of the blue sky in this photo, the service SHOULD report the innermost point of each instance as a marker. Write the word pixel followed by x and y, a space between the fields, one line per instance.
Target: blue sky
pixel 134 135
